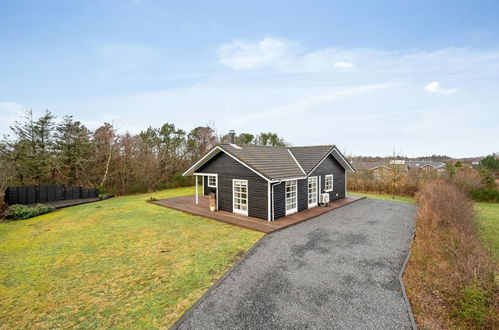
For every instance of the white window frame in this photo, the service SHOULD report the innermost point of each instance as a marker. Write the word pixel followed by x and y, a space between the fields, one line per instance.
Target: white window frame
pixel 313 204
pixel 212 177
pixel 292 200
pixel 234 209
pixel 326 189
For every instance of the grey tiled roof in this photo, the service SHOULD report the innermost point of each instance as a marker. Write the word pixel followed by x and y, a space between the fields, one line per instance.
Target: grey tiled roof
pixel 272 162
pixel 310 156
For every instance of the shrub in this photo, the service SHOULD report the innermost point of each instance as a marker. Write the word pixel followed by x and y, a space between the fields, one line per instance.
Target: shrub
pixel 468 179
pixel 450 275
pixel 21 212
pixel 485 195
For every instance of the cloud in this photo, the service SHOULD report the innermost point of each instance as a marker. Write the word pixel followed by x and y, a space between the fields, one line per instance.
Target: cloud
pixel 307 104
pixel 239 55
pixel 280 54
pixel 343 65
pixel 9 113
pixel 434 87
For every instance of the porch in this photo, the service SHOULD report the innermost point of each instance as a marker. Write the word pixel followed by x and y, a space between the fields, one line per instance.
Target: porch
pixel 188 204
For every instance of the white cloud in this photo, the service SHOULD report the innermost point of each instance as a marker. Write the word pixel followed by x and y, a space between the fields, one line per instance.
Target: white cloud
pixel 308 103
pixel 281 54
pixel 239 55
pixel 435 87
pixel 10 112
pixel 343 65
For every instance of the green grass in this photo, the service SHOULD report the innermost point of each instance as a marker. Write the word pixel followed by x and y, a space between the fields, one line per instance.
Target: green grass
pixel 115 263
pixel 402 199
pixel 488 216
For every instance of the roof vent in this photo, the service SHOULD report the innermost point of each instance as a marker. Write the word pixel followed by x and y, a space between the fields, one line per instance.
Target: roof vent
pixel 232 136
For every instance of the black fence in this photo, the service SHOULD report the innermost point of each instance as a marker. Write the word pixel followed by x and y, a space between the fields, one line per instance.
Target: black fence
pixel 46 193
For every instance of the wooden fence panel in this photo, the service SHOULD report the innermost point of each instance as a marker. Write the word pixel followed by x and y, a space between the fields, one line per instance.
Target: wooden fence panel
pixel 46 193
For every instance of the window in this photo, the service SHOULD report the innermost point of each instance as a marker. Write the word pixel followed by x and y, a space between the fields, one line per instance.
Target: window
pixel 212 181
pixel 291 197
pixel 328 184
pixel 312 191
pixel 240 196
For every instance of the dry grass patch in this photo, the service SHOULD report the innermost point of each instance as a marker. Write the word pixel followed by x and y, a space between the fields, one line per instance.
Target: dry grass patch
pixel 450 277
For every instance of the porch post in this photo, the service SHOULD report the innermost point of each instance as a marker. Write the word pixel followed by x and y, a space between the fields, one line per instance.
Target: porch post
pixel 197 197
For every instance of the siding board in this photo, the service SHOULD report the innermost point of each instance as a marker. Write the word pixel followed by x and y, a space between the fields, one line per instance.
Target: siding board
pixel 227 169
pixel 331 166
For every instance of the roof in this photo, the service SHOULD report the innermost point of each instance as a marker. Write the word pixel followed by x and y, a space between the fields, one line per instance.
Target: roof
pixel 310 156
pixel 275 163
pixel 366 165
pixel 423 163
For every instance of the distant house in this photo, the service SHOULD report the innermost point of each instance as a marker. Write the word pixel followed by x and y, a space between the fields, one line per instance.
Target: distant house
pixel 380 169
pixel 271 182
pixel 425 165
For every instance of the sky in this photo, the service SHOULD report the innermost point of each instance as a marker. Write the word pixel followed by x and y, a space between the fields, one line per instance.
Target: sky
pixel 373 77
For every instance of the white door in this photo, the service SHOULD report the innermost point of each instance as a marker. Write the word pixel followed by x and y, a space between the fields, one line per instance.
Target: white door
pixel 240 196
pixel 291 197
pixel 312 191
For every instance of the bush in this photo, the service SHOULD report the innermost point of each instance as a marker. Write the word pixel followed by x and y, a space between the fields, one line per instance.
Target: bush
pixel 21 212
pixel 468 179
pixel 485 195
pixel 450 275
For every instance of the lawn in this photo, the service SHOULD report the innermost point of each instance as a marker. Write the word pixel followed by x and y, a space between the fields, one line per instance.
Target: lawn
pixel 488 215
pixel 402 199
pixel 116 263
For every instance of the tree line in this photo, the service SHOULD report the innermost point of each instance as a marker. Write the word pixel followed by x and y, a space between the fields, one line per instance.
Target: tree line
pixel 45 150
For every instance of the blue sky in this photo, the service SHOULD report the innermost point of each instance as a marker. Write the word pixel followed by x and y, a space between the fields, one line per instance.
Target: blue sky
pixel 420 77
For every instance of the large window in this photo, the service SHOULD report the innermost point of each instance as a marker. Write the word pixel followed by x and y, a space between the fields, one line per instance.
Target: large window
pixel 212 181
pixel 312 191
pixel 240 196
pixel 291 197
pixel 328 183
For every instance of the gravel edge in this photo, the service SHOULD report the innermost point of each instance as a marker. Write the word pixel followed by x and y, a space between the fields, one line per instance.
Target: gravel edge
pixel 401 274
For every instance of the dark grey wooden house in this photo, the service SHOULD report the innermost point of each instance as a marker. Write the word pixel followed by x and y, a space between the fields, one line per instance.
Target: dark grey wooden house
pixel 271 182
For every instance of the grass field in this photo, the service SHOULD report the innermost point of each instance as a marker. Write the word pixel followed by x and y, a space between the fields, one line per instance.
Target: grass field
pixel 488 215
pixel 117 263
pixel 402 199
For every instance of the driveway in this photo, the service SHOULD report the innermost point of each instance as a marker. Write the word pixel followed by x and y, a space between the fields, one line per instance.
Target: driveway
pixel 339 270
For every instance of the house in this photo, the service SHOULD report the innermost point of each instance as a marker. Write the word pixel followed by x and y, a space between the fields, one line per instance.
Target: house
pixel 270 182
pixel 377 169
pixel 425 165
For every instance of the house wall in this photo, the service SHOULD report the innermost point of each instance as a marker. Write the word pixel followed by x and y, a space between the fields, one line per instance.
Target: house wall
pixel 280 198
pixel 227 169
pixel 331 166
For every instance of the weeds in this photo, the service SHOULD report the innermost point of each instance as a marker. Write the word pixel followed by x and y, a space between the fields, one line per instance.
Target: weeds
pixel 450 276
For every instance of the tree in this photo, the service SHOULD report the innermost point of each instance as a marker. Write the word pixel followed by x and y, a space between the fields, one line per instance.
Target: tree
pixel 270 139
pixel 199 141
pixel 491 162
pixel 29 150
pixel 104 140
pixel 458 164
pixel 73 147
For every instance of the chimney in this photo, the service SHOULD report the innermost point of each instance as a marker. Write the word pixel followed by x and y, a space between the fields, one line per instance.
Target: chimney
pixel 232 136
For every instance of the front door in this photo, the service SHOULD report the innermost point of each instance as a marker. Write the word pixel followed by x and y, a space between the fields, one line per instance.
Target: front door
pixel 312 191
pixel 240 196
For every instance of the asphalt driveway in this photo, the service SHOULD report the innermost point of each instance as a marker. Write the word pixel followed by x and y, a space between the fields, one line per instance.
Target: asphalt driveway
pixel 339 270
